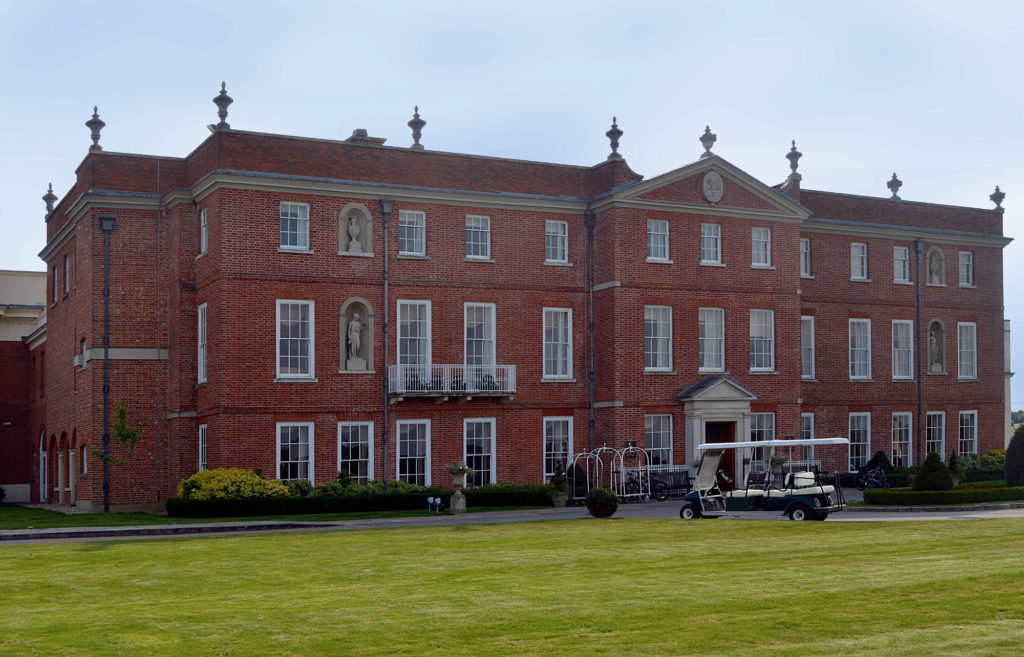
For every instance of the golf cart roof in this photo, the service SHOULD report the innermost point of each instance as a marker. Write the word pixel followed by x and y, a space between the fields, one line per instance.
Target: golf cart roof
pixel 776 443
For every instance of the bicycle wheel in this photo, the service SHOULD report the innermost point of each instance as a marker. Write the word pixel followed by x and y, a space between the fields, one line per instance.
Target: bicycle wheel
pixel 659 490
pixel 860 480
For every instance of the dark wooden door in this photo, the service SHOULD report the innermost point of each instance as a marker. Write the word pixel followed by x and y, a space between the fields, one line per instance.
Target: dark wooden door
pixel 723 432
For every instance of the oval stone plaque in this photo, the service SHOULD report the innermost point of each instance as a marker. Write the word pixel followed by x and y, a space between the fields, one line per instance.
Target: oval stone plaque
pixel 712 186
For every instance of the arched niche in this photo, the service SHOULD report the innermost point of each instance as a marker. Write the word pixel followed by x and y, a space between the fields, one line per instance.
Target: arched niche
pixel 355 231
pixel 936 347
pixel 936 266
pixel 356 323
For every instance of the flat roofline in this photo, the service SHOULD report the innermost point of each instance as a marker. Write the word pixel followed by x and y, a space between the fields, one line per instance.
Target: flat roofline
pixel 883 198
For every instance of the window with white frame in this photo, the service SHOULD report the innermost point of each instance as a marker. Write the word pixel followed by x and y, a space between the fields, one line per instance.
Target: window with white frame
pixel 294 226
pixel 414 336
pixel 762 340
pixel 711 339
pixel 762 427
pixel 760 247
pixel 478 237
pixel 966 269
pixel 294 338
pixel 658 439
pixel 479 446
pixel 202 447
pixel 479 336
pixel 201 340
pixel 967 347
pixel 85 459
pixel 807 433
pixel 204 235
pixel 67 274
pixel 657 240
pixel 295 451
pixel 968 443
pixel 55 284
pixel 658 338
pixel 355 450
pixel 860 440
pixel 805 257
pixel 860 348
pixel 557 343
pixel 902 349
pixel 710 244
pixel 556 241
pixel 901 446
pixel 414 451
pixel 412 233
pixel 858 261
pixel 935 433
pixel 807 347
pixel 557 444
pixel 900 264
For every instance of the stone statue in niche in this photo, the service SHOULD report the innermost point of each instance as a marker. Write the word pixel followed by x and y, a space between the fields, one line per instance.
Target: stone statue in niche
pixel 935 268
pixel 935 359
pixel 355 340
pixel 354 245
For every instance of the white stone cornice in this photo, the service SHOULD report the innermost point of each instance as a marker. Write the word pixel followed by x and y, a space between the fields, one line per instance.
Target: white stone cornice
pixel 89 201
pixel 931 235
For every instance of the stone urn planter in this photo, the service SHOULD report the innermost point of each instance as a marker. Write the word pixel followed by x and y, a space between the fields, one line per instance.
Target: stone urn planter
pixel 559 499
pixel 458 480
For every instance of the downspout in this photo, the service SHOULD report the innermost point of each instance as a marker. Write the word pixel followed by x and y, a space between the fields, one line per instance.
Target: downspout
pixel 386 206
pixel 589 221
pixel 921 355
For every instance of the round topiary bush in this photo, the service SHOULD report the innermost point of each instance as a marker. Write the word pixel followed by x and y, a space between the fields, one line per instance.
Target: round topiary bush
pixel 934 475
pixel 1014 465
pixel 230 484
pixel 602 502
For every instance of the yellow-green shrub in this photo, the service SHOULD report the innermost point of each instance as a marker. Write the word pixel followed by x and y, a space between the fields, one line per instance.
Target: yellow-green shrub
pixel 230 484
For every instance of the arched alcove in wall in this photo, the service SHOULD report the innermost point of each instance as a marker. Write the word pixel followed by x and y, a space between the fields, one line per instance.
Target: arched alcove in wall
pixel 936 266
pixel 355 230
pixel 356 323
pixel 936 347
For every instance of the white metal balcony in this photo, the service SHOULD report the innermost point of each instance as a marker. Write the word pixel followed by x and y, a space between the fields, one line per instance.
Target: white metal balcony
pixel 452 380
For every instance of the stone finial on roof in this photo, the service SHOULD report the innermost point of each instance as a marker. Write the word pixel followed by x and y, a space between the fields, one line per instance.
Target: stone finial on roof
pixel 894 185
pixel 95 124
pixel 997 198
pixel 222 101
pixel 416 123
pixel 613 136
pixel 794 157
pixel 49 198
pixel 707 140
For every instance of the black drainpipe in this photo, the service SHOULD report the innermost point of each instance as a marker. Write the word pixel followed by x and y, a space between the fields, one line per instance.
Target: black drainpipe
pixel 386 206
pixel 589 221
pixel 922 355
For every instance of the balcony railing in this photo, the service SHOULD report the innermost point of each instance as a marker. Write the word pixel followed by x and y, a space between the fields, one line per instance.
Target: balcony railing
pixel 452 380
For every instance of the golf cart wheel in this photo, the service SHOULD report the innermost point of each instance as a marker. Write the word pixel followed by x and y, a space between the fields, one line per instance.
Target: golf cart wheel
pixel 800 512
pixel 689 512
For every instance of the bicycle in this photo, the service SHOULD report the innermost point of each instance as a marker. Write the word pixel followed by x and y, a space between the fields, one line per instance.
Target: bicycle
pixel 870 478
pixel 658 488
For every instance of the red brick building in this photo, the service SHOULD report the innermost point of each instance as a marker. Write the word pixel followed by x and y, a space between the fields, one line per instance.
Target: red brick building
pixel 305 305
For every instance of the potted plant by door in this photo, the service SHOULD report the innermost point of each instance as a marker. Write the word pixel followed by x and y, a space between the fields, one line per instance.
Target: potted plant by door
pixel 775 463
pixel 458 471
pixel 559 486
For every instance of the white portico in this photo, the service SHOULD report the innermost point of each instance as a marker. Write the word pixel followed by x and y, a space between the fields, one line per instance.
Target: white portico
pixel 717 410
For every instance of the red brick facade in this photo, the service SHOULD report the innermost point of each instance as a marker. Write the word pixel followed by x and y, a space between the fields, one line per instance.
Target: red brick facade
pixel 159 279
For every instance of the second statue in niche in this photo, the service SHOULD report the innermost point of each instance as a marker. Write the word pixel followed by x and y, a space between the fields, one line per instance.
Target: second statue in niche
pixel 355 340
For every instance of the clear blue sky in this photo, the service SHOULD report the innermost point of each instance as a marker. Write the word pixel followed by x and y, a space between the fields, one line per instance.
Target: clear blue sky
pixel 930 90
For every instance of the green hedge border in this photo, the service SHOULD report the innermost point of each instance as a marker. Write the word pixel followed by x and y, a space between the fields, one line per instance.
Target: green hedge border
pixel 907 497
pixel 482 496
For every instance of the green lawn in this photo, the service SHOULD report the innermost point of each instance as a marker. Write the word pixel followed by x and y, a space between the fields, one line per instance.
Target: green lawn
pixel 580 587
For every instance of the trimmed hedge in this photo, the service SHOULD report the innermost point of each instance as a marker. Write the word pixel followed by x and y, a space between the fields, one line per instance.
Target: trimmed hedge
pixel 353 502
pixel 906 497
pixel 508 495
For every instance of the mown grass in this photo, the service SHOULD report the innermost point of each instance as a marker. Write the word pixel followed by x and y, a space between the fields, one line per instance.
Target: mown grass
pixel 581 587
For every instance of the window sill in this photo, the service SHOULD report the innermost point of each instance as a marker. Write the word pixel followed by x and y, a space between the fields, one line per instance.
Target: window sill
pixel 475 259
pixel 902 282
pixel 908 379
pixel 809 276
pixel 660 261
pixel 935 284
pixel 555 379
pixel 962 379
pixel 201 385
pixel 860 280
pixel 705 263
pixel 284 249
pixel 357 371
pixel 659 372
pixel 865 379
pixel 557 263
pixel 969 287
pixel 762 266
pixel 710 370
pixel 363 254
pixel 808 379
pixel 412 256
pixel 763 372
pixel 296 379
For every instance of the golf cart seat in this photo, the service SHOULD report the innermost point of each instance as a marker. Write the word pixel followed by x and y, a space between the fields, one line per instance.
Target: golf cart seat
pixel 806 483
pixel 746 492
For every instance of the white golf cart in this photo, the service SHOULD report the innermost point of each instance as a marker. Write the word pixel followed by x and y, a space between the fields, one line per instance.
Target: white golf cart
pixel 769 491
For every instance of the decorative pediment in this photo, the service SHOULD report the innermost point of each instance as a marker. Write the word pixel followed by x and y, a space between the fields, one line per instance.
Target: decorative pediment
pixel 712 184
pixel 719 387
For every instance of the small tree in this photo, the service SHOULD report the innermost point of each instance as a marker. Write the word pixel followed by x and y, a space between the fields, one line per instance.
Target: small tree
pixel 128 437
pixel 1014 466
pixel 934 475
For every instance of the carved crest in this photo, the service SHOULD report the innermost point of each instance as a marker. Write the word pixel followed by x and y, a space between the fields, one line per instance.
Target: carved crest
pixel 712 187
